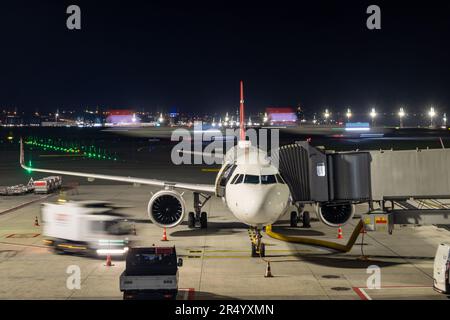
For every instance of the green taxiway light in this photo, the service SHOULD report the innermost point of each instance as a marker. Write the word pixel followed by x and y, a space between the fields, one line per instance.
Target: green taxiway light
pixel 29 165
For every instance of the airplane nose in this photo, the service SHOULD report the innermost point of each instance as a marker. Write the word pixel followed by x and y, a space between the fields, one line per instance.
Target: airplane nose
pixel 262 209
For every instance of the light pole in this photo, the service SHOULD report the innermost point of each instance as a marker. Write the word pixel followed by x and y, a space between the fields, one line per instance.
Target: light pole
pixel 444 120
pixel 431 114
pixel 373 115
pixel 401 114
pixel 326 115
pixel 348 114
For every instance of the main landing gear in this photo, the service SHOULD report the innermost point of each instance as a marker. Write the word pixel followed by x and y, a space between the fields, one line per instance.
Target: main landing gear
pixel 258 247
pixel 198 217
pixel 300 215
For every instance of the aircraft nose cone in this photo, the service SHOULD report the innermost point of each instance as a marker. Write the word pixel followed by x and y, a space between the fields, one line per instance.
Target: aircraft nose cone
pixel 264 208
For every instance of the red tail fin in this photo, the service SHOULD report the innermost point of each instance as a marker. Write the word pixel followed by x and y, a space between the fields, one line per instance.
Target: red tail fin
pixel 241 113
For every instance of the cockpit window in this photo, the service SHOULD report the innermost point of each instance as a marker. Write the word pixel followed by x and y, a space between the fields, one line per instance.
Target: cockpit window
pixel 227 173
pixel 234 179
pixel 239 179
pixel 249 178
pixel 280 179
pixel 268 179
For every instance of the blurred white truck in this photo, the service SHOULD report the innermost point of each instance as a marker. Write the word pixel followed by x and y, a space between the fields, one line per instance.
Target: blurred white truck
pixel 92 228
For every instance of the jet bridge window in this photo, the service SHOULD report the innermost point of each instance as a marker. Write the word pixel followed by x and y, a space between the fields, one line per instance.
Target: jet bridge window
pixel 251 179
pixel 268 179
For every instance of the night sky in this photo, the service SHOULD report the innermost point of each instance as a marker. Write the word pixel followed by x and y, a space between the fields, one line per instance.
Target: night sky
pixel 191 55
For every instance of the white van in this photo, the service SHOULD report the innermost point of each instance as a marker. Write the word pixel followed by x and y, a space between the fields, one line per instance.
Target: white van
pixel 441 268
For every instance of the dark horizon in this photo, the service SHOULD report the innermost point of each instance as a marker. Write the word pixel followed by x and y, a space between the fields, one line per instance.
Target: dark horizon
pixel 191 56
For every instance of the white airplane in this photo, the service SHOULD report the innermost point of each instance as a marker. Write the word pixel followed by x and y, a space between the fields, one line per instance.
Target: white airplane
pixel 252 188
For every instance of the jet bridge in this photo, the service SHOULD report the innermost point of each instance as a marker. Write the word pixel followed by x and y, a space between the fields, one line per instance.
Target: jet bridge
pixel 314 175
pixel 409 186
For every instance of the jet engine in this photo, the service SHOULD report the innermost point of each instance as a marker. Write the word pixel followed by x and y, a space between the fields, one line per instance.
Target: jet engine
pixel 335 214
pixel 166 208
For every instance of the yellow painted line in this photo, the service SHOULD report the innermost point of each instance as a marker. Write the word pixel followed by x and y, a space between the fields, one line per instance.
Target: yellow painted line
pixel 245 251
pixel 228 257
pixel 210 170
pixel 317 242
pixel 71 247
pixel 248 256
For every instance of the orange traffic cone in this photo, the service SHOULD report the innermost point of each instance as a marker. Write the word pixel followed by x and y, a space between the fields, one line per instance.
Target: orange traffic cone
pixel 268 272
pixel 108 261
pixel 36 222
pixel 164 237
pixel 340 236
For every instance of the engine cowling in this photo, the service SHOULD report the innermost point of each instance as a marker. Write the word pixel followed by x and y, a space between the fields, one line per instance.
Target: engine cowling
pixel 335 214
pixel 166 208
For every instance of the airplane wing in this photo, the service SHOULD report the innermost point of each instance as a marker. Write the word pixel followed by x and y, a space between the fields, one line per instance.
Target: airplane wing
pixel 204 188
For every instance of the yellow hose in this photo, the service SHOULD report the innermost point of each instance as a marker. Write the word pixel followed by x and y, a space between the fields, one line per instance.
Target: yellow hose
pixel 317 242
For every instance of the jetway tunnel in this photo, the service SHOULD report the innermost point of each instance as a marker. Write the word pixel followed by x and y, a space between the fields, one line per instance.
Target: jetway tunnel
pixel 387 180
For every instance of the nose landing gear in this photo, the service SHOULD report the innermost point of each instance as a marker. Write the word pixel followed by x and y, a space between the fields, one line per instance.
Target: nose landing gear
pixel 258 247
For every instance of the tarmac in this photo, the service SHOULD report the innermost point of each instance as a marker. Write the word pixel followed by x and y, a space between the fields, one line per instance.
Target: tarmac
pixel 217 262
